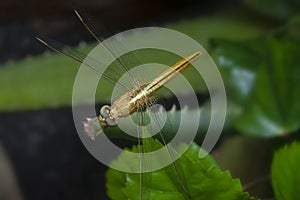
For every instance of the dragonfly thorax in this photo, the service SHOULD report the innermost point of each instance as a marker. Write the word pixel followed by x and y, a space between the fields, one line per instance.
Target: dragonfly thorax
pixel 125 105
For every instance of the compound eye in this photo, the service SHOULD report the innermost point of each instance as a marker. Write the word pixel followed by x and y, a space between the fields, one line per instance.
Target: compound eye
pixel 104 111
pixel 111 121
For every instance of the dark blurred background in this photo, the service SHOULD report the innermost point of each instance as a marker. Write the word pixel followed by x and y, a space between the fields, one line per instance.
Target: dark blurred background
pixel 21 20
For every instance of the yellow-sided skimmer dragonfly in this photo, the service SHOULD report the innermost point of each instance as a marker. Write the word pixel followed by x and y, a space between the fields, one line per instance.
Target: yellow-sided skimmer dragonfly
pixel 134 100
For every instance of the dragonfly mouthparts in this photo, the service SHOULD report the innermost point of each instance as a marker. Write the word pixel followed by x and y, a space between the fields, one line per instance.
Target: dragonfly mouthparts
pixel 92 127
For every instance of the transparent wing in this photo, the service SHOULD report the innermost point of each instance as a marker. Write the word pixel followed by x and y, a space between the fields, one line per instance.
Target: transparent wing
pixel 144 146
pixel 177 173
pixel 126 60
pixel 95 65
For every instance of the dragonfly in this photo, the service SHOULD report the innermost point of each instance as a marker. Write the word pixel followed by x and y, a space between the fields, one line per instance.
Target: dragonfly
pixel 134 100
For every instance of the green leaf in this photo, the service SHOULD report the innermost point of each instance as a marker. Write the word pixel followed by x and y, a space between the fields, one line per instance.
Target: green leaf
pixel 262 77
pixel 204 179
pixel 285 172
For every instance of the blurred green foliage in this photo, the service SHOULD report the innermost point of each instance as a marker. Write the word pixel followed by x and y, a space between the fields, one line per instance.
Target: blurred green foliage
pixel 285 172
pixel 262 77
pixel 275 9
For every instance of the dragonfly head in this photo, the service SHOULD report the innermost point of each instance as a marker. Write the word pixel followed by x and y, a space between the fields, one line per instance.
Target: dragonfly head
pixel 93 128
pixel 107 117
